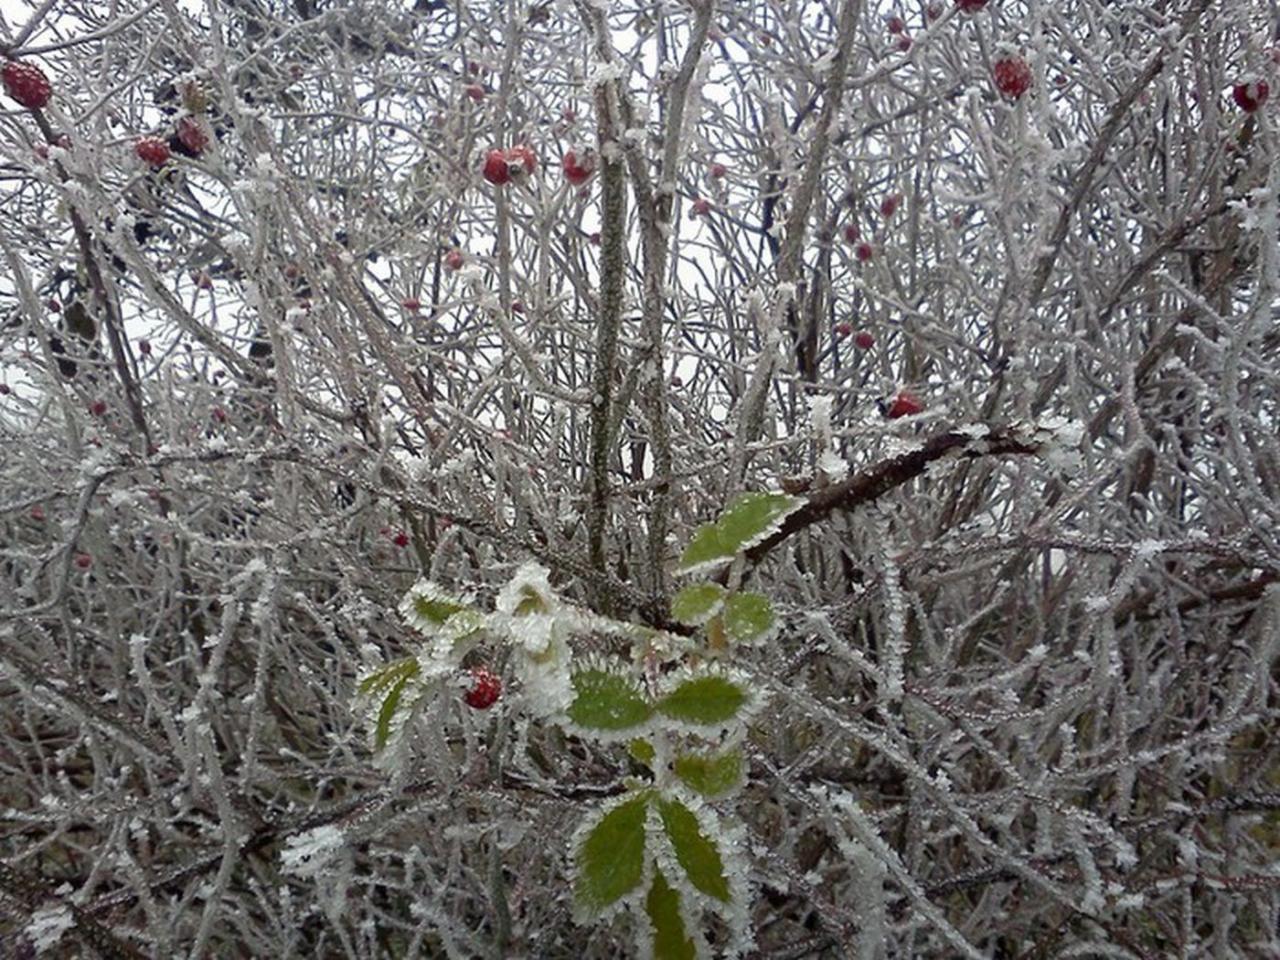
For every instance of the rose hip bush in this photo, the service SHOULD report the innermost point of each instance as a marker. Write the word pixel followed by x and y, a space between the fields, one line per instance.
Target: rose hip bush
pixel 592 479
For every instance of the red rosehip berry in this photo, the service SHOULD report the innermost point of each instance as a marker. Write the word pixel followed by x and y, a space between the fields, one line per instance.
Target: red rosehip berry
pixel 84 561
pixel 496 170
pixel 152 151
pixel 411 304
pixel 98 408
pixel 53 305
pixel 701 207
pixel 475 92
pixel 517 306
pixel 933 12
pixel 486 688
pixel 718 171
pixel 896 24
pixel 144 347
pixel 904 404
pixel 4 390
pixel 37 513
pixel 864 252
pixel 843 329
pixel 454 260
pixel 1012 76
pixel 904 43
pixel 677 381
pixel 889 205
pixel 401 539
pixel 851 233
pixel 579 167
pixel 594 238
pixel 970 6
pixel 864 340
pixel 218 414
pixel 1251 95
pixel 26 83
pixel 192 135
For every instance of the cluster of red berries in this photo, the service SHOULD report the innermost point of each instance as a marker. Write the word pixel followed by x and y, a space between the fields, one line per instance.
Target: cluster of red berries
pixel 190 134
pixel 579 166
pixel 1012 76
pixel 503 166
pixel 486 688
pixel 26 83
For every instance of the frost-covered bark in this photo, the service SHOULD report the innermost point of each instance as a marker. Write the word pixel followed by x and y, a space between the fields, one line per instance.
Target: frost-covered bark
pixel 304 426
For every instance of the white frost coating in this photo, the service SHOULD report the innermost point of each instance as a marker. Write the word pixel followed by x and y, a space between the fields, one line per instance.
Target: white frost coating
pixel 869 901
pixel 529 610
pixel 310 852
pixel 833 466
pixel 546 687
pixel 588 824
pixel 602 73
pixel 47 925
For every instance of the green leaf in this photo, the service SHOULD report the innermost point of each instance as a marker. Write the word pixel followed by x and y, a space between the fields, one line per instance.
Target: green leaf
pixel 642 750
pixel 434 609
pixel 385 676
pixel 383 729
pixel 712 775
pixel 747 521
pixel 697 854
pixel 607 701
pixel 610 857
pixel 747 616
pixel 697 603
pixel 670 942
pixel 709 699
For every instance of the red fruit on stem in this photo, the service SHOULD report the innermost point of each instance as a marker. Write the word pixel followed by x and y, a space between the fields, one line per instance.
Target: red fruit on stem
pixel 864 252
pixel 522 160
pixel 1012 76
pixel 486 688
pixel 84 561
pixel 218 414
pixel 454 260
pixel 1251 95
pixel 152 151
pixel 718 171
pixel 401 539
pixel 37 513
pixel 864 340
pixel 889 205
pixel 933 12
pixel 53 305
pixel 905 404
pixel 98 407
pixel 843 329
pixel 851 233
pixel 971 6
pixel 701 207
pixel 496 170
pixel 517 306
pixel 594 238
pixel 677 381
pixel 475 92
pixel 192 135
pixel 896 24
pixel 579 167
pixel 412 304
pixel 144 347
pixel 26 83
pixel 904 43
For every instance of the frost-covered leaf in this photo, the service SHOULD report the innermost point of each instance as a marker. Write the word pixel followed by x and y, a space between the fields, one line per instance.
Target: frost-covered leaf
pixel 528 592
pixel 747 617
pixel 642 750
pixel 387 712
pixel 428 607
pixel 697 603
pixel 697 853
pixel 711 698
pixel 383 678
pixel 609 855
pixel 662 905
pixel 607 701
pixel 711 774
pixel 751 518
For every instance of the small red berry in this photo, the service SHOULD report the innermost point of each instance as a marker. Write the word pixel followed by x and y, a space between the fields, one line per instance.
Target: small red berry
pixel 522 160
pixel 486 688
pixel 144 347
pixel 53 305
pixel 4 390
pixel 496 170
pixel 594 238
pixel 904 43
pixel 933 11
pixel 701 207
pixel 843 329
pixel 1251 95
pixel 475 92
pixel 517 306
pixel 718 171
pixel 864 252
pixel 905 404
pixel 192 135
pixel 677 381
pixel 26 83
pixel 889 205
pixel 401 539
pixel 411 304
pixel 971 6
pixel 98 407
pixel 218 414
pixel 1012 76
pixel 864 340
pixel 579 167
pixel 896 24
pixel 84 561
pixel 454 260
pixel 568 115
pixel 152 151
pixel 37 513
pixel 851 233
